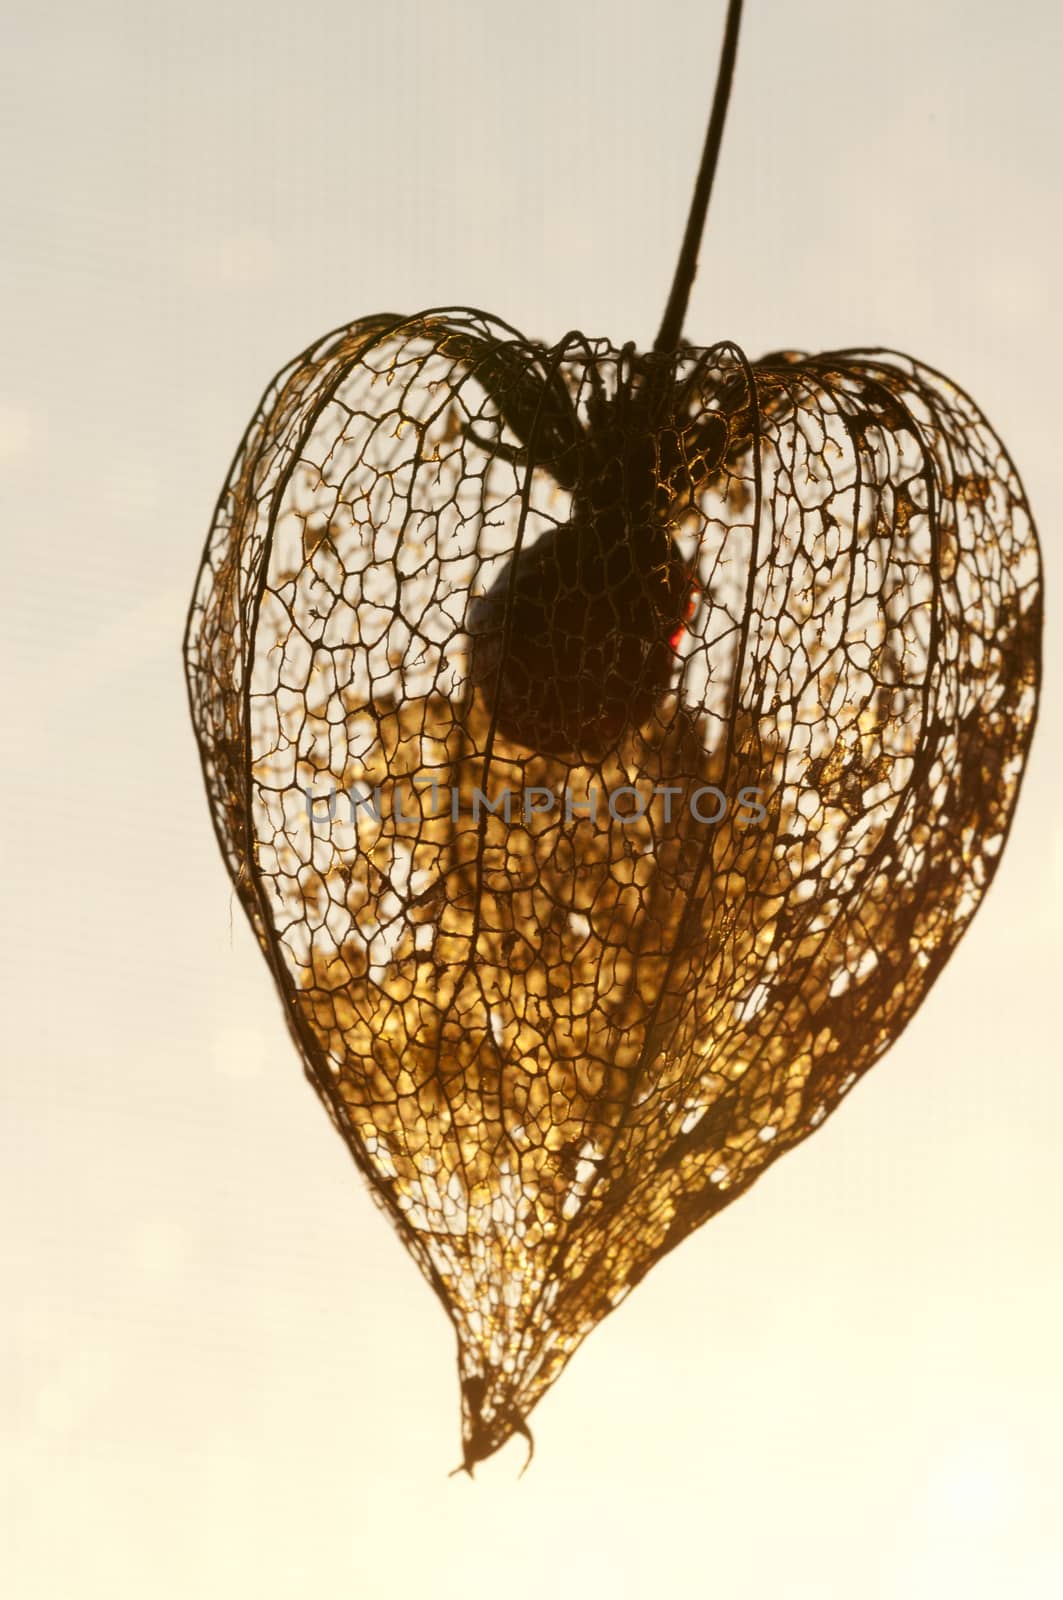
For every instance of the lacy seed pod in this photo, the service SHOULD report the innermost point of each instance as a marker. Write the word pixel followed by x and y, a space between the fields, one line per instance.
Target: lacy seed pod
pixel 668 712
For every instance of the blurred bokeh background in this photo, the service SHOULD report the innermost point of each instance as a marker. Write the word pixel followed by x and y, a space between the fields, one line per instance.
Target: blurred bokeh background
pixel 220 1375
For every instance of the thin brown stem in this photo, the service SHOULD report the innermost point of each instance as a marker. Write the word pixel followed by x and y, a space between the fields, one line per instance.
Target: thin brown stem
pixel 687 265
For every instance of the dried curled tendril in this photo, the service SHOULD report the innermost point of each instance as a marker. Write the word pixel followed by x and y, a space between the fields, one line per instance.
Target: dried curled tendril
pixel 450 562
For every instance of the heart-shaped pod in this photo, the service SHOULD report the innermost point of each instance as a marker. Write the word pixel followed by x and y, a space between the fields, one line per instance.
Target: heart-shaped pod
pixel 556 1041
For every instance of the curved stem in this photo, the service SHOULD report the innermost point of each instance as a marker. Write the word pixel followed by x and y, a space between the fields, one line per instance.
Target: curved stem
pixel 687 265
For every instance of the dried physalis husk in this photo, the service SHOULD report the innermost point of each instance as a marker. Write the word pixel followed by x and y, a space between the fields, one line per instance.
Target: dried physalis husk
pixel 561 1029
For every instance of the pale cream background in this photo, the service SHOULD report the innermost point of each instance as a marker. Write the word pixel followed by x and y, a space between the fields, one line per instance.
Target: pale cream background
pixel 220 1375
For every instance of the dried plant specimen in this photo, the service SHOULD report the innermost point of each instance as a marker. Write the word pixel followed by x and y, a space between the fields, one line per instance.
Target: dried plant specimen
pixel 609 750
